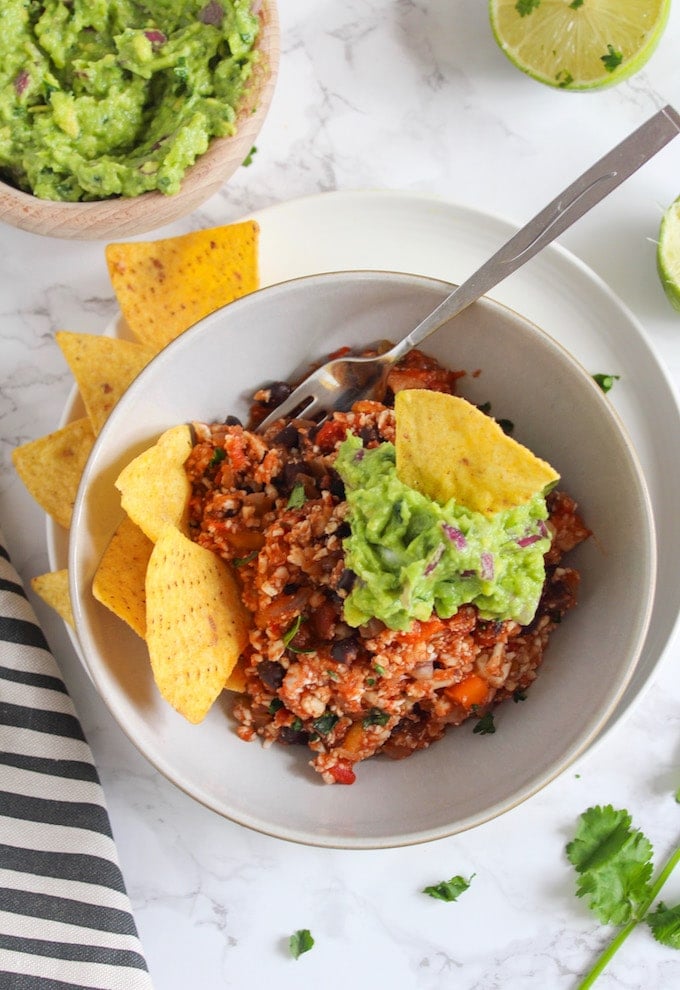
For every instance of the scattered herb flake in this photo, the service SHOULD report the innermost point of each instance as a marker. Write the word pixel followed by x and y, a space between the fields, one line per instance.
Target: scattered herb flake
pixel 564 78
pixel 240 561
pixel 575 4
pixel 324 723
pixel 248 160
pixel 485 725
pixel 376 717
pixel 380 671
pixel 519 694
pixel 299 942
pixel 292 630
pixel 449 890
pixel 524 7
pixel 219 453
pixel 274 706
pixel 297 497
pixel 606 382
pixel 612 60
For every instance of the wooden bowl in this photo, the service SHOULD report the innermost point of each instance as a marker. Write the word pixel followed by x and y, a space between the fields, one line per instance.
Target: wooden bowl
pixel 122 217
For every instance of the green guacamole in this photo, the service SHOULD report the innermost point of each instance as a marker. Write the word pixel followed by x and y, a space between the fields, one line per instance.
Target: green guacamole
pixel 102 98
pixel 412 556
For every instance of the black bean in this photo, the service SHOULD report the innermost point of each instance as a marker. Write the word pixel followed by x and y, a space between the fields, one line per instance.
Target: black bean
pixel 347 579
pixel 345 650
pixel 288 437
pixel 291 736
pixel 233 421
pixel 271 674
pixel 278 391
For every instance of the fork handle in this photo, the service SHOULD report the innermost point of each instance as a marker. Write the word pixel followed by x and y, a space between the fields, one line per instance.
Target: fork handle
pixel 571 204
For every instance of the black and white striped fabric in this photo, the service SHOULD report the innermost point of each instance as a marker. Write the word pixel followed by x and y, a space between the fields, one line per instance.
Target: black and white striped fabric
pixel 65 917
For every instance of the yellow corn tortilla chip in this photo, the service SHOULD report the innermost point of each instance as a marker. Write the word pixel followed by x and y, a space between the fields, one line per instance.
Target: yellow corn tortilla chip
pixel 52 587
pixel 196 626
pixel 154 487
pixel 103 368
pixel 447 448
pixel 119 582
pixel 51 466
pixel 237 679
pixel 165 286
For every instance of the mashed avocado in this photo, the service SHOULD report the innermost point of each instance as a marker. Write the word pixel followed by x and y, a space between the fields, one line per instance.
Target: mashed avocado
pixel 103 98
pixel 412 556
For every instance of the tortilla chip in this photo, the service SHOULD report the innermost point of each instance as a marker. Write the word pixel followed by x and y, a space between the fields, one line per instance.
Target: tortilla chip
pixel 447 448
pixel 103 368
pixel 154 487
pixel 196 625
pixel 119 582
pixel 163 287
pixel 237 679
pixel 52 587
pixel 51 467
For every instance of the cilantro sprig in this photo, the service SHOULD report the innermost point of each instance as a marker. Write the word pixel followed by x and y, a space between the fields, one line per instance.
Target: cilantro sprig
pixel 613 861
pixel 300 942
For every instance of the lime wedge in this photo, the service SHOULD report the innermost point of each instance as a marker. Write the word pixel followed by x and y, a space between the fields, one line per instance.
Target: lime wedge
pixel 668 253
pixel 578 44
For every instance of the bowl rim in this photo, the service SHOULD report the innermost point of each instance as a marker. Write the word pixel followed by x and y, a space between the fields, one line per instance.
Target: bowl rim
pixel 494 810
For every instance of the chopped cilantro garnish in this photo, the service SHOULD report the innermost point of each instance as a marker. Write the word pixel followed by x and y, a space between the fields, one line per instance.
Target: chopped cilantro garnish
pixel 297 724
pixel 564 78
pixel 297 497
pixel 299 942
pixel 376 717
pixel 274 706
pixel 240 561
pixel 575 4
pixel 324 723
pixel 612 60
pixel 248 160
pixel 448 890
pixel 219 453
pixel 379 670
pixel 613 861
pixel 485 725
pixel 606 382
pixel 290 634
pixel 524 7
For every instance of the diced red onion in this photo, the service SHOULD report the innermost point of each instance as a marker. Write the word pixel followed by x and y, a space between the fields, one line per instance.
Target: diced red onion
pixel 157 38
pixel 487 568
pixel 437 556
pixel 455 535
pixel 526 541
pixel 212 13
pixel 21 82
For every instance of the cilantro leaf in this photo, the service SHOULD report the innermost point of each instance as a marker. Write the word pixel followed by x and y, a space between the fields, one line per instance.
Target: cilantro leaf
pixel 297 497
pixel 299 942
pixel 605 382
pixel 612 60
pixel 485 725
pixel 524 7
pixel 665 924
pixel 614 863
pixel 448 890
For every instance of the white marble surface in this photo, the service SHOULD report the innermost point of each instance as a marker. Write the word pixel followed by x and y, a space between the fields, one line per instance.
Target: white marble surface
pixel 410 95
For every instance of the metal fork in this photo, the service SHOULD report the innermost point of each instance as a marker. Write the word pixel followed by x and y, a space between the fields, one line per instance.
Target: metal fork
pixel 339 383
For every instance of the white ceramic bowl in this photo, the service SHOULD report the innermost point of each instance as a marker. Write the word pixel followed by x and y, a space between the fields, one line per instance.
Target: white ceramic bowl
pixel 465 779
pixel 118 217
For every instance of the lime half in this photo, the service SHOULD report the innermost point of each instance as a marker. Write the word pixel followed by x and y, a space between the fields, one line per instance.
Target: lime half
pixel 578 44
pixel 668 253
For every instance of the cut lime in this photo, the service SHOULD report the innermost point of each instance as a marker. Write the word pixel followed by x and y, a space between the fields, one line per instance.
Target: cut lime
pixel 578 44
pixel 668 253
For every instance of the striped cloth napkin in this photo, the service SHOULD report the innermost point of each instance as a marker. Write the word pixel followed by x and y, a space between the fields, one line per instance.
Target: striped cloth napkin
pixel 65 917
